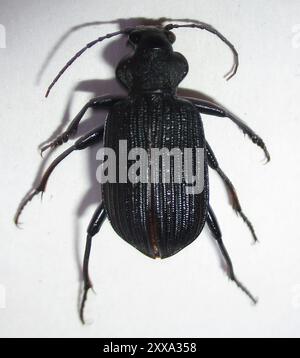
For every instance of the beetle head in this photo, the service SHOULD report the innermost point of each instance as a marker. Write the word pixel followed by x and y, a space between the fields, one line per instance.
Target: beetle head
pixel 150 37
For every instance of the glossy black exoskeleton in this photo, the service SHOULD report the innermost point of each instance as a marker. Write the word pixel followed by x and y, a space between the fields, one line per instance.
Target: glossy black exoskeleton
pixel 159 219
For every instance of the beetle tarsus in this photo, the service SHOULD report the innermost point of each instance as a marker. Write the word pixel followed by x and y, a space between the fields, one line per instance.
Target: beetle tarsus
pixel 83 301
pixel 258 141
pixel 234 200
pixel 242 287
pixel 86 279
pixel 93 228
pixel 28 197
pixel 215 230
pixel 63 138
pixel 249 224
pixel 255 138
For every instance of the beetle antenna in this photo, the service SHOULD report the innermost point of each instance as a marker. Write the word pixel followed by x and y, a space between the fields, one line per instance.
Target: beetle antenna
pixel 211 29
pixel 79 53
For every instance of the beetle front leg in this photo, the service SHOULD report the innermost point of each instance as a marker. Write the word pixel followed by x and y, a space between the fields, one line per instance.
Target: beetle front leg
pixel 85 141
pixel 96 103
pixel 93 228
pixel 209 108
pixel 216 232
pixel 213 163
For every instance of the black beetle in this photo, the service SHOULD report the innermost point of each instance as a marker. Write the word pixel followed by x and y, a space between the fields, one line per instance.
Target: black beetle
pixel 157 218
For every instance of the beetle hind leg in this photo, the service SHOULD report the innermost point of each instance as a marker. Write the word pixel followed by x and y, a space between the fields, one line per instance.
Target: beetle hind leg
pixel 215 230
pixel 213 163
pixel 93 228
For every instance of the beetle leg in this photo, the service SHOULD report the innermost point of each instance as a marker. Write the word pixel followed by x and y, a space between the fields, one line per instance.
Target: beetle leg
pixel 96 103
pixel 215 230
pixel 85 141
pixel 213 163
pixel 93 228
pixel 209 108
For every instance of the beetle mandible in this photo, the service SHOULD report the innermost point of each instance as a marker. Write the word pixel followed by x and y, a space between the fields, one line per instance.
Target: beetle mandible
pixel 159 219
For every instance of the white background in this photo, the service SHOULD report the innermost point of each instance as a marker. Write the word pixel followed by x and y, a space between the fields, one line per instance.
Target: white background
pixel 188 294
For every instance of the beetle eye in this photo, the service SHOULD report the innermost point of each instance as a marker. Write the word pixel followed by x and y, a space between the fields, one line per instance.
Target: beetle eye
pixel 170 36
pixel 135 37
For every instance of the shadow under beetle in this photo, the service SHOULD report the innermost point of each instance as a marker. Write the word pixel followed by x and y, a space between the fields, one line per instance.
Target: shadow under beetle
pixel 159 219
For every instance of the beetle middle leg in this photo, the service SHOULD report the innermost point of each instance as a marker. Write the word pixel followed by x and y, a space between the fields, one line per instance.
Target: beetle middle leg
pixel 85 141
pixel 215 229
pixel 213 163
pixel 96 103
pixel 93 228
pixel 209 108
